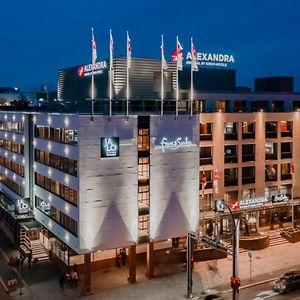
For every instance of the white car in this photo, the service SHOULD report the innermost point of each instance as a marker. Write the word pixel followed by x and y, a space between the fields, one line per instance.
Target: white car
pixel 212 294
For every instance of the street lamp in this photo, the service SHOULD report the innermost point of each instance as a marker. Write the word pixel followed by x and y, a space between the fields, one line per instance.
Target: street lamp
pixel 235 281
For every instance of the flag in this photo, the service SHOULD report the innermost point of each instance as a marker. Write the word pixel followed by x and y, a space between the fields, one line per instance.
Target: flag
pixel 111 49
pixel 128 51
pixel 203 182
pixel 194 59
pixel 163 60
pixel 178 56
pixel 94 48
pixel 216 181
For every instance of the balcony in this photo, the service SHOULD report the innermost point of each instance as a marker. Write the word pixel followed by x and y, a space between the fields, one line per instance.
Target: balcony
pixel 271 178
pixel 286 134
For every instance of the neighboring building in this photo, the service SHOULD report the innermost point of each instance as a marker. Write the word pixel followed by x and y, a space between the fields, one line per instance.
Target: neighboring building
pixel 274 84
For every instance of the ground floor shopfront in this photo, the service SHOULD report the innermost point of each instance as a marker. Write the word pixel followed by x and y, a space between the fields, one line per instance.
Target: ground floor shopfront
pixel 269 215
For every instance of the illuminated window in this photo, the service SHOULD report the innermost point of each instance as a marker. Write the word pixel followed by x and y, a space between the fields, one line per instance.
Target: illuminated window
pixel 144 195
pixel 286 128
pixel 144 223
pixel 230 131
pixel 143 168
pixel 143 140
pixel 206 130
pixel 248 130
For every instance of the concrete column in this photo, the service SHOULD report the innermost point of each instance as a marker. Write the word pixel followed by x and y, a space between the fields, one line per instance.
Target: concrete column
pixel 132 264
pixel 150 261
pixel 87 274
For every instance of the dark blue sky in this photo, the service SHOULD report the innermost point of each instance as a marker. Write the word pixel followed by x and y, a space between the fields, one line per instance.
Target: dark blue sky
pixel 39 37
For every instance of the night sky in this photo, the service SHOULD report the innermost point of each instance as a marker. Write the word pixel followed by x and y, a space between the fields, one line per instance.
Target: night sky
pixel 39 37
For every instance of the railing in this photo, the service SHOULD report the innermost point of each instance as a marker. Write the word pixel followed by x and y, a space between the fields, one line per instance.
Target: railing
pixel 248 157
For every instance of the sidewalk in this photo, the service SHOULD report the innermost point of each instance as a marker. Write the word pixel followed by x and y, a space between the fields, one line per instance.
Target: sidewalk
pixel 170 281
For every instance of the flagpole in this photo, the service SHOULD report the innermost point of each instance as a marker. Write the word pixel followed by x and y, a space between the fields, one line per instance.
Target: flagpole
pixel 162 77
pixel 177 84
pixel 110 71
pixel 93 84
pixel 127 81
pixel 192 80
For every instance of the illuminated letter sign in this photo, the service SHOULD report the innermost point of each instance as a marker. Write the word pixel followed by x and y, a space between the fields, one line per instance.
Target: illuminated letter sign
pixel 110 147
pixel 252 202
pixel 176 144
pixel 96 68
pixel 212 59
pixel 22 207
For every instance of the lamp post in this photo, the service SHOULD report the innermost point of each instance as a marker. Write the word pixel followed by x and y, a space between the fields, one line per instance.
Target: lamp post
pixel 235 281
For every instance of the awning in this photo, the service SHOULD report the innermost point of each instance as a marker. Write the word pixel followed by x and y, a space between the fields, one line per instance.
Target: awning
pixel 30 225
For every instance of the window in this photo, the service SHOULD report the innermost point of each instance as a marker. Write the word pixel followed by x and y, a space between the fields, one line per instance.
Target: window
pixel 222 105
pixel 199 106
pixel 144 223
pixel 18 189
pixel 248 130
pixel 143 140
pixel 271 151
pixel 206 156
pixel 286 150
pixel 239 105
pixel 230 154
pixel 271 129
pixel 248 193
pixel 230 131
pixel 231 197
pixel 277 106
pixel 286 128
pixel 206 131
pixel 143 168
pixel 207 202
pixel 248 175
pixel 286 171
pixel 144 195
pixel 248 152
pixel 271 172
pixel 231 177
pixel 270 191
pixel 12 165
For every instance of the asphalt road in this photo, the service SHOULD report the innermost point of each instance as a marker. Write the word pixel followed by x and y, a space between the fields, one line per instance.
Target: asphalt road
pixel 264 291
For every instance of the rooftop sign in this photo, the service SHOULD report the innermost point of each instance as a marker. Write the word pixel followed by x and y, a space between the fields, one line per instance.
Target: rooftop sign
pixel 212 59
pixel 87 70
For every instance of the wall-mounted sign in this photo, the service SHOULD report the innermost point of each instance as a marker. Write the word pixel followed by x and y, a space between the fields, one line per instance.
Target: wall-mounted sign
pixel 252 202
pixel 22 207
pixel 280 198
pixel 87 70
pixel 219 206
pixel 212 59
pixel 45 205
pixel 110 147
pixel 166 144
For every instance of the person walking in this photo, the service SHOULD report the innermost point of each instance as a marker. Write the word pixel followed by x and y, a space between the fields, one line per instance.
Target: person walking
pixel 123 256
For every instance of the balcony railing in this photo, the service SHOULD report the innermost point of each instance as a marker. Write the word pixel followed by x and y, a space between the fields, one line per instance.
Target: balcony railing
pixel 231 182
pixel 286 176
pixel 270 178
pixel 230 136
pixel 286 134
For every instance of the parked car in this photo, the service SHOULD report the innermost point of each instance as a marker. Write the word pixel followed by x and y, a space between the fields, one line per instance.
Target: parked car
pixel 288 282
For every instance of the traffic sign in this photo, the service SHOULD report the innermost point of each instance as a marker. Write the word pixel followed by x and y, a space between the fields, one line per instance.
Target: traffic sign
pixel 250 255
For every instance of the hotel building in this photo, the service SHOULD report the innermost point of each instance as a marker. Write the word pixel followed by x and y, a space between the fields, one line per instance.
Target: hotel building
pixel 125 181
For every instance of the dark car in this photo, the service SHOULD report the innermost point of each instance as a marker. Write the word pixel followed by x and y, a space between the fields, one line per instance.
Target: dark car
pixel 288 282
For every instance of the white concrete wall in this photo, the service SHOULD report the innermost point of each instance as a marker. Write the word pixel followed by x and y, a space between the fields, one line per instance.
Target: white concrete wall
pixel 108 186
pixel 174 177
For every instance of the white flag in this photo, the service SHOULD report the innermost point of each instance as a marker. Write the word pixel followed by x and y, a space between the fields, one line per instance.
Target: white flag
pixel 163 60
pixel 128 51
pixel 194 59
pixel 111 49
pixel 94 48
pixel 179 55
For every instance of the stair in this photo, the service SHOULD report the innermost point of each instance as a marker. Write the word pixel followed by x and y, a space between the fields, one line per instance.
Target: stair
pixel 276 238
pixel 38 251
